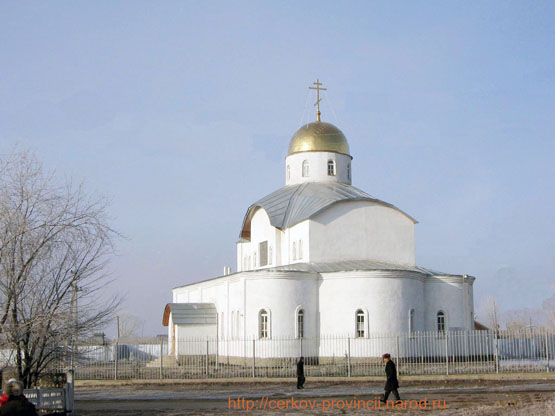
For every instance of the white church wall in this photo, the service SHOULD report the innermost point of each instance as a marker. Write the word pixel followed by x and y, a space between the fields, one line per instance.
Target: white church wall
pixel 240 246
pixel 234 315
pixel 248 252
pixel 262 230
pixel 362 230
pixel 195 331
pixel 281 294
pixel 385 297
pixel 317 168
pixel 450 295
pixel 295 235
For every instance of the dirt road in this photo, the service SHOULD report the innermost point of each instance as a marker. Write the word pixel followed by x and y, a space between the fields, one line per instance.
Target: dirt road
pixel 507 397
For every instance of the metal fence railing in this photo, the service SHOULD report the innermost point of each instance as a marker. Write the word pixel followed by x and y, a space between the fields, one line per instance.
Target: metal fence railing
pixel 451 352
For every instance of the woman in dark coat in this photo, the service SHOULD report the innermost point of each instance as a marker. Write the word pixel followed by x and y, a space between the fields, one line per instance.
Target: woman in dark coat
pixel 300 373
pixel 17 404
pixel 392 384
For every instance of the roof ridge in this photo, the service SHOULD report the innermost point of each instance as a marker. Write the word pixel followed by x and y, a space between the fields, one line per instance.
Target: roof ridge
pixel 296 192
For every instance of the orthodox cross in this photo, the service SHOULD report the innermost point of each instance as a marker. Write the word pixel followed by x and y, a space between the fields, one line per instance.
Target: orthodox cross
pixel 318 88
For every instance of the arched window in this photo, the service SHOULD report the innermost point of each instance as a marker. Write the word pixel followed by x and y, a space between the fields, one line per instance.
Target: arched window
pixel 294 251
pixel 300 324
pixel 300 249
pixel 411 320
pixel 305 168
pixel 270 255
pixel 441 321
pixel 360 324
pixel 263 324
pixel 288 172
pixel 349 171
pixel 331 168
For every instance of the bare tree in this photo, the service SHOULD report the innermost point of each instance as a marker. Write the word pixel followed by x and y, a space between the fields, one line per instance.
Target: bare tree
pixel 54 247
pixel 130 325
pixel 548 307
pixel 489 312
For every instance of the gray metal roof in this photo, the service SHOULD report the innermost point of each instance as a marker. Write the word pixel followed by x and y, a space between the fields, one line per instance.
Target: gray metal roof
pixel 355 265
pixel 347 265
pixel 338 266
pixel 190 313
pixel 295 203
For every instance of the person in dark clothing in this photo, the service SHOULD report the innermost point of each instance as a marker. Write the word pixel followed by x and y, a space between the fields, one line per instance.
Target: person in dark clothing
pixel 300 373
pixel 17 404
pixel 391 384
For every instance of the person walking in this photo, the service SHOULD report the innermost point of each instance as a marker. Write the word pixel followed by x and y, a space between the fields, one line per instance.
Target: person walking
pixel 17 404
pixel 391 384
pixel 4 396
pixel 300 373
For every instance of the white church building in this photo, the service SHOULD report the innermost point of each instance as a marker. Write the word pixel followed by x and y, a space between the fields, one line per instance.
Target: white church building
pixel 320 256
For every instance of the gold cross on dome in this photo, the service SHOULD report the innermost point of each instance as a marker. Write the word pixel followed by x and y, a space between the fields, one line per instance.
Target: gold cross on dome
pixel 318 88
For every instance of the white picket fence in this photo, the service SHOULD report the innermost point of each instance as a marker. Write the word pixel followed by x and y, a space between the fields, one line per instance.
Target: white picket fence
pixel 452 352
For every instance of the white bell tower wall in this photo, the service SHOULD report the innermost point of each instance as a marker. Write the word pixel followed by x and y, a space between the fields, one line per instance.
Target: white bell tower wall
pixel 316 168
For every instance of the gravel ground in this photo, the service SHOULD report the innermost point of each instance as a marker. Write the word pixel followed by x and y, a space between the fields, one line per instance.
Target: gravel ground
pixel 490 397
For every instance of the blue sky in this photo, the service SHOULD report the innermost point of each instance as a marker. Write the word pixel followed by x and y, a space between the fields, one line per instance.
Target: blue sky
pixel 181 113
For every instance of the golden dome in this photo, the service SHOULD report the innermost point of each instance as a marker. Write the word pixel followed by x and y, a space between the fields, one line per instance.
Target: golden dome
pixel 319 137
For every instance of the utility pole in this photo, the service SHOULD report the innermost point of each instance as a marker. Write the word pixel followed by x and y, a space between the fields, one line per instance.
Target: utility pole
pixel 75 318
pixel 117 319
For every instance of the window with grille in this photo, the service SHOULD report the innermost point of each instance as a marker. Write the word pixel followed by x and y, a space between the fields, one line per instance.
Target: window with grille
pixel 263 250
pixel 305 168
pixel 441 321
pixel 349 171
pixel 331 168
pixel 360 324
pixel 263 324
pixel 300 324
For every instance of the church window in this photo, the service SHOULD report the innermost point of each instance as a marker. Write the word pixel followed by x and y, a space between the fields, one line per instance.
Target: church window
pixel 441 321
pixel 263 323
pixel 331 168
pixel 360 324
pixel 270 255
pixel 300 324
pixel 300 249
pixel 263 250
pixel 294 251
pixel 349 171
pixel 305 168
pixel 411 320
pixel 288 172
